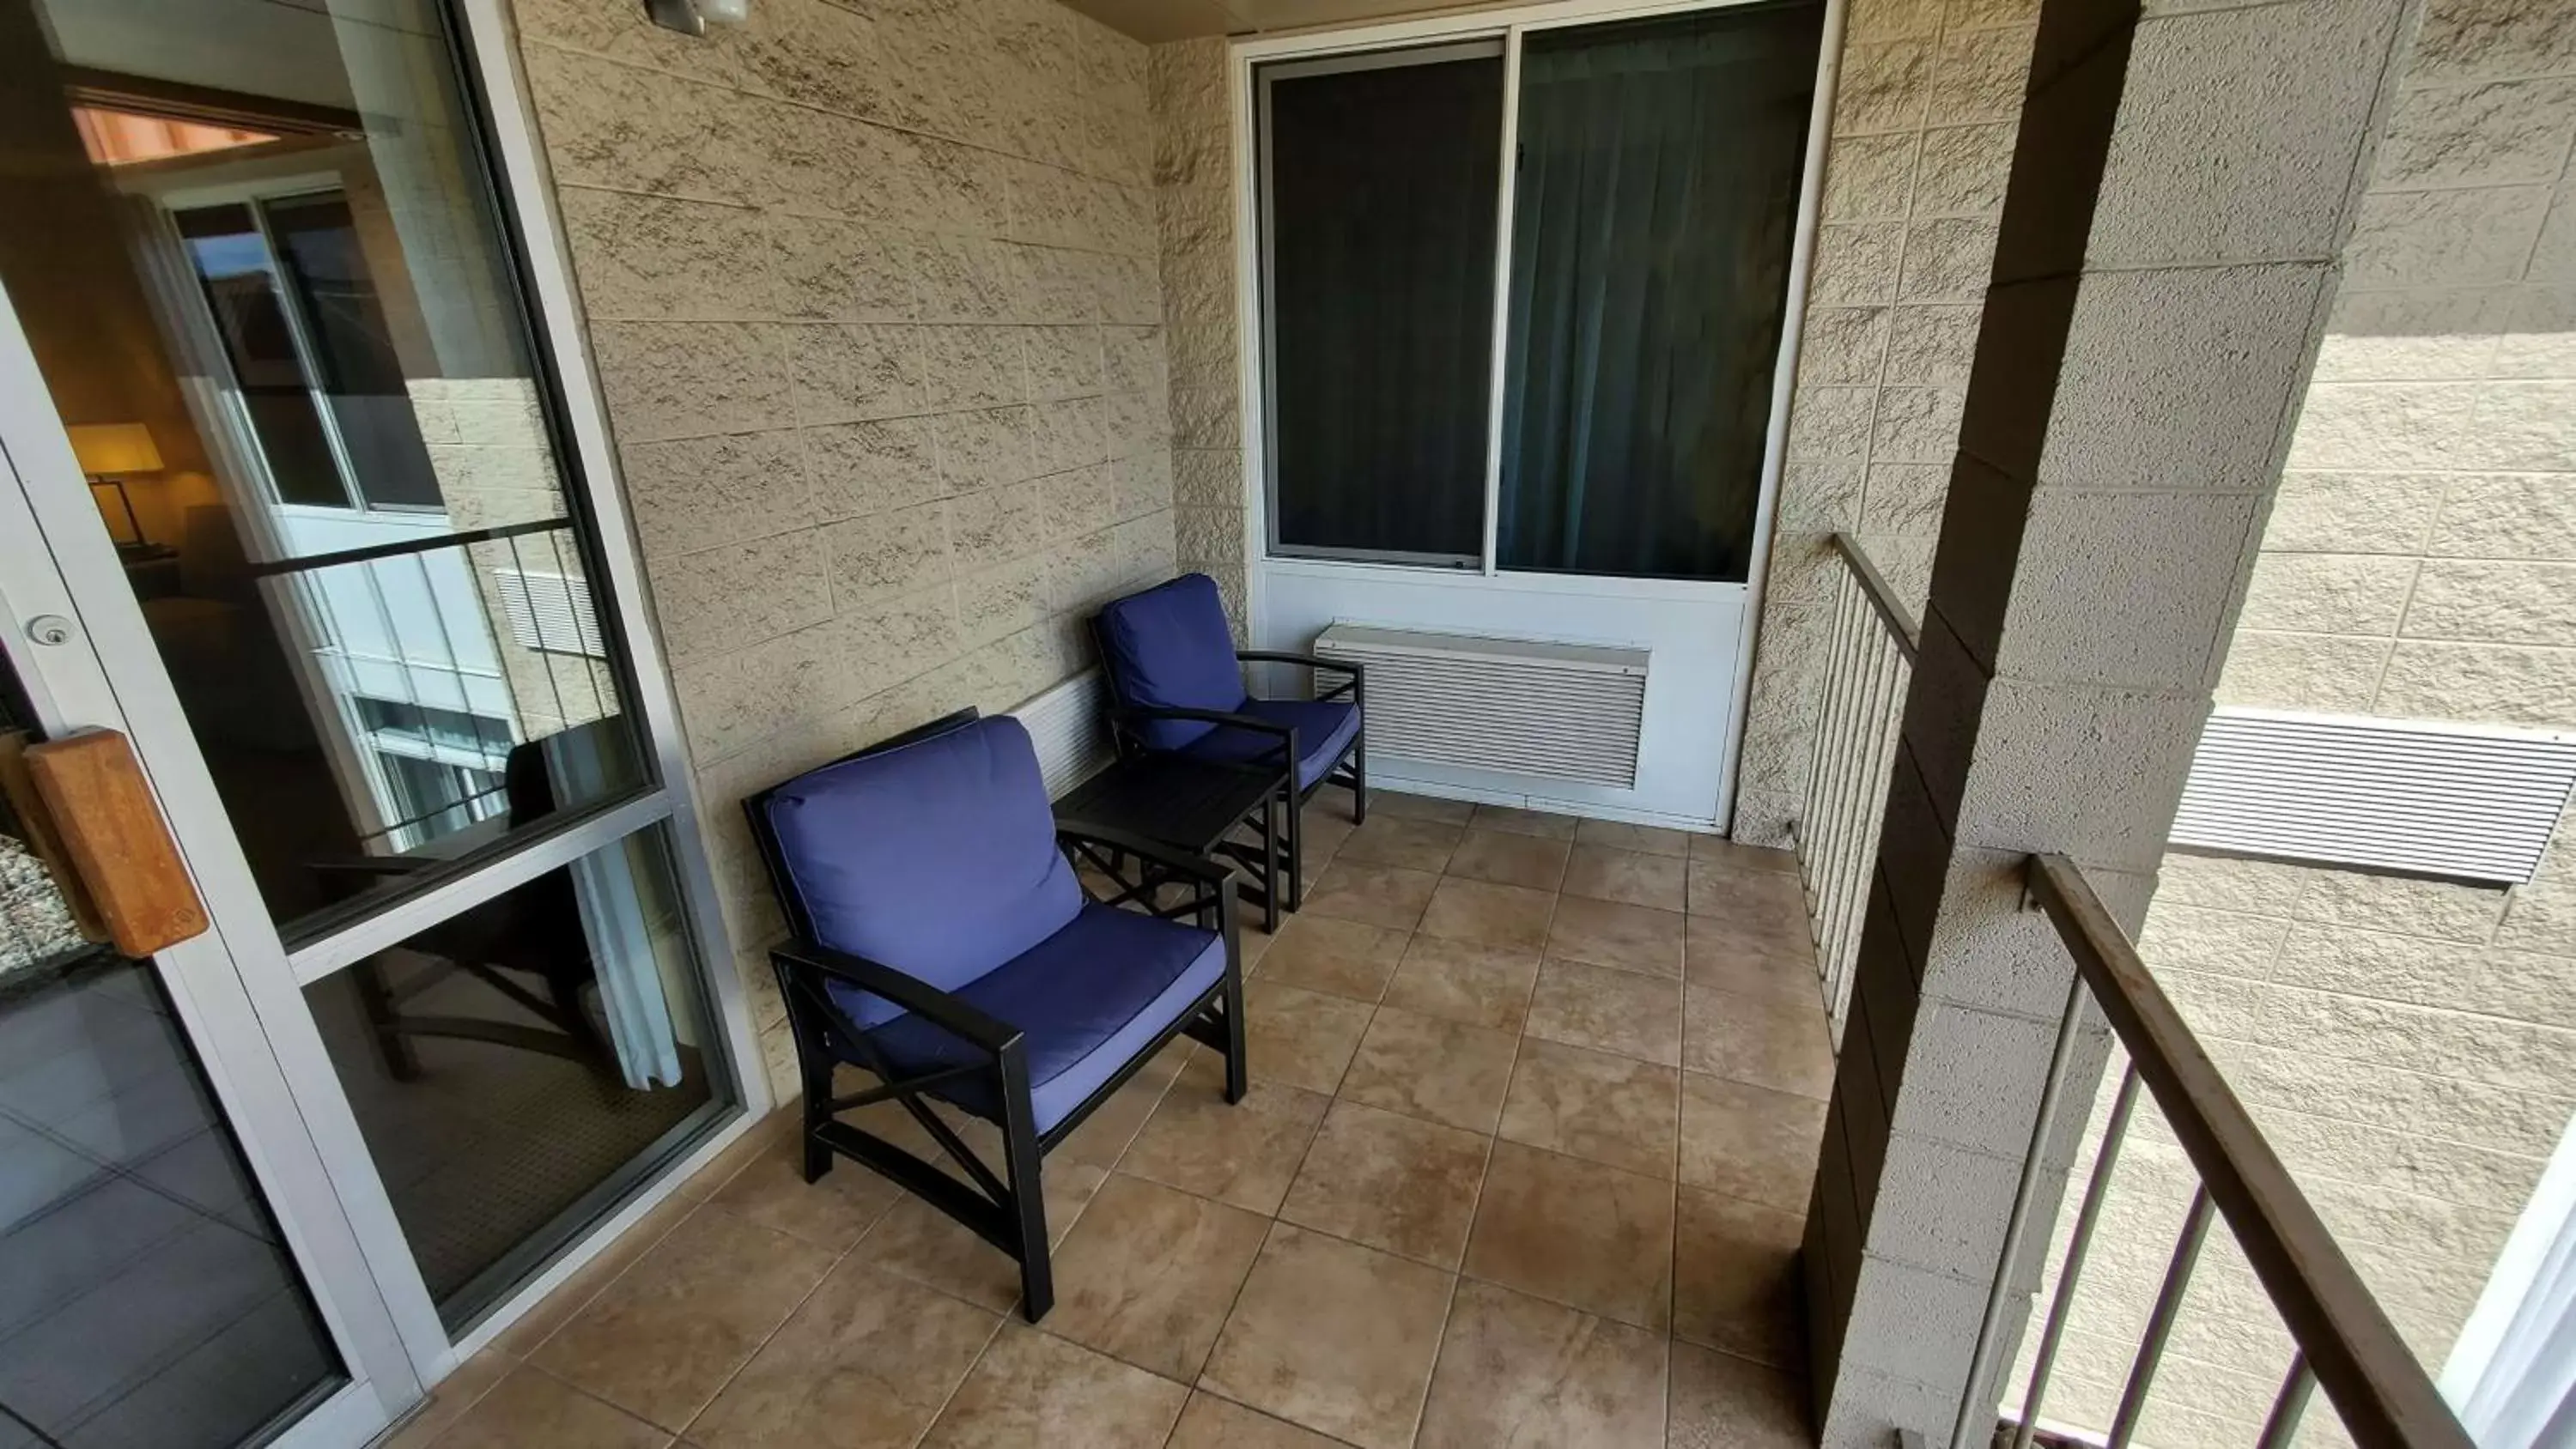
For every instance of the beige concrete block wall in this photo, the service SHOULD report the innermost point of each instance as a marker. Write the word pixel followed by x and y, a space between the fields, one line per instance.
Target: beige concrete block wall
pixel 874 296
pixel 1921 139
pixel 1195 208
pixel 2408 1046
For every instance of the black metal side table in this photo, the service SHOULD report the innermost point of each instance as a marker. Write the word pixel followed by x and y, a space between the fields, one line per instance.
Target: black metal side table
pixel 1189 805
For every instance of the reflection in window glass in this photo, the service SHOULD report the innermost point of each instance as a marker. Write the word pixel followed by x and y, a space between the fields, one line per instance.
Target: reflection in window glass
pixel 268 247
pixel 515 1067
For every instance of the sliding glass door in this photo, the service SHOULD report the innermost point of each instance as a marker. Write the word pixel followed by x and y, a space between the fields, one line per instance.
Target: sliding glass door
pixel 1636 249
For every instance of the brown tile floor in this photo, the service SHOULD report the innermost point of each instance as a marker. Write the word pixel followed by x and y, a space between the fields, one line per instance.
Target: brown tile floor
pixel 1524 1162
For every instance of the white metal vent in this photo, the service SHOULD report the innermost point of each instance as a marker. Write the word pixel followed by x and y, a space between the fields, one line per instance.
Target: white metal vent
pixel 2448 800
pixel 1069 725
pixel 1520 706
pixel 550 612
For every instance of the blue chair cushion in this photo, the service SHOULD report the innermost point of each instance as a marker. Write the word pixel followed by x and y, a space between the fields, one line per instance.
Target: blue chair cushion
pixel 1088 998
pixel 1168 648
pixel 937 858
pixel 1324 729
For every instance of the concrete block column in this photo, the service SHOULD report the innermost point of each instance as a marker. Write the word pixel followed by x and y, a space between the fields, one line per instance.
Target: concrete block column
pixel 2183 180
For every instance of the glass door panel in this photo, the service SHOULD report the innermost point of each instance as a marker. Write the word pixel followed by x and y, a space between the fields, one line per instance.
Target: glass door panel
pixel 147 1295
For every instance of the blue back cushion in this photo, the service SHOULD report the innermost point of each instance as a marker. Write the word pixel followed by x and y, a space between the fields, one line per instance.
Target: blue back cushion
pixel 938 858
pixel 1168 647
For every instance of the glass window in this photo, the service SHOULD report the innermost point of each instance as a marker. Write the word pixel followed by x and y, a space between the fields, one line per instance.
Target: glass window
pixel 1656 167
pixel 353 491
pixel 1651 224
pixel 1381 299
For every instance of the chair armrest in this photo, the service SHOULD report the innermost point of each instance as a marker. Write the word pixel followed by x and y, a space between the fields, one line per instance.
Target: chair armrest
pixel 1126 715
pixel 1196 867
pixel 950 1013
pixel 1350 686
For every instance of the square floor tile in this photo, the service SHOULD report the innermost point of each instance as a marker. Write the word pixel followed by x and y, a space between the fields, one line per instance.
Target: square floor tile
pixel 1489 915
pixel 1608 1010
pixel 1715 956
pixel 529 1408
pixel 1735 1276
pixel 1652 839
pixel 1104 1136
pixel 1593 1105
pixel 1783 1045
pixel 1213 1423
pixel 1613 933
pixel 1420 807
pixel 1720 1401
pixel 1763 910
pixel 1505 858
pixel 663 1338
pixel 1245 1153
pixel 1301 1038
pixel 556 1309
pixel 922 1243
pixel 1382 895
pixel 865 1363
pixel 1631 877
pixel 1577 1233
pixel 1750 1142
pixel 1398 840
pixel 1520 1370
pixel 1149 1274
pixel 1718 850
pixel 1323 953
pixel 1333 1336
pixel 1323 827
pixel 1389 1181
pixel 1035 1388
pixel 1517 821
pixel 1462 981
pixel 771 1190
pixel 1422 1066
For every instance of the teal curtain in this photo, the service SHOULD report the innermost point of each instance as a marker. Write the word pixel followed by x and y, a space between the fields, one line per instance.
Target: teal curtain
pixel 1653 209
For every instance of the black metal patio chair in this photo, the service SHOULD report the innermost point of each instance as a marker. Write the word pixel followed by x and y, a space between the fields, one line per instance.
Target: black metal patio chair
pixel 941 940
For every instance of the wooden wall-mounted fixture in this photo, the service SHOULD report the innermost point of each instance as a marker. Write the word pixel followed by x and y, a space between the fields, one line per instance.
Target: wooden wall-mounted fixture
pixel 125 871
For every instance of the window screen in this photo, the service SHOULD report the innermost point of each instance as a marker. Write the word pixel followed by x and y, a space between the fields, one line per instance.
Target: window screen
pixel 1382 175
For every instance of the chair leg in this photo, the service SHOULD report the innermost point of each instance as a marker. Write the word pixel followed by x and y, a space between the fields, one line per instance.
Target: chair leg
pixel 1359 778
pixel 1028 1190
pixel 1237 1060
pixel 1270 864
pixel 1296 844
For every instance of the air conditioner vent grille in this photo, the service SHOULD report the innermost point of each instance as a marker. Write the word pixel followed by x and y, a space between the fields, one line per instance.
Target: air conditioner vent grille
pixel 1519 706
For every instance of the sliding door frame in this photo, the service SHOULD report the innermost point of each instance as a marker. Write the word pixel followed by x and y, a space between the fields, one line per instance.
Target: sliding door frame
pixel 1509 27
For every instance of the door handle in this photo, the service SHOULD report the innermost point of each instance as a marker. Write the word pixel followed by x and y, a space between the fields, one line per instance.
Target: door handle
pixel 93 808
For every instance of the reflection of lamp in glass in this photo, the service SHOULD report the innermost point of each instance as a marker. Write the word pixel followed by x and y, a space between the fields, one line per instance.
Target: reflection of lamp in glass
pixel 109 451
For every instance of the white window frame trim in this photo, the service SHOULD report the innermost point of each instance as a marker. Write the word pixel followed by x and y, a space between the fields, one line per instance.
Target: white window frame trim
pixel 1252 344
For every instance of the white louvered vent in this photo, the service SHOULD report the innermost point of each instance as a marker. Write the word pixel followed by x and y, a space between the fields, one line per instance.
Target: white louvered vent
pixel 1069 725
pixel 1520 706
pixel 2410 795
pixel 550 612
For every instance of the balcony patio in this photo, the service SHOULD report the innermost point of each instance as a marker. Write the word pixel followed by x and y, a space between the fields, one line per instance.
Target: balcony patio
pixel 1526 1158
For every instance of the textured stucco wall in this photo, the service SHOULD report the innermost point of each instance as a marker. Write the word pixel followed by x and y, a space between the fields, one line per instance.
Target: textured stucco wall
pixel 873 292
pixel 2408 1046
pixel 1921 139
pixel 1194 199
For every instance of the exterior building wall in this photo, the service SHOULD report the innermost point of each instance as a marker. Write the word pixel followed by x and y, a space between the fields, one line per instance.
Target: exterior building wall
pixel 1921 141
pixel 2408 1046
pixel 874 298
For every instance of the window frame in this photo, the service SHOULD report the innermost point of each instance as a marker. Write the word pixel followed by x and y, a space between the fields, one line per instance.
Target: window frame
pixel 1258 60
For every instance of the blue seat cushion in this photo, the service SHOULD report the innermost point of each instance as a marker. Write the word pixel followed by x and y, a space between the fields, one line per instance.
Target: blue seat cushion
pixel 937 858
pixel 1324 729
pixel 1168 648
pixel 1088 998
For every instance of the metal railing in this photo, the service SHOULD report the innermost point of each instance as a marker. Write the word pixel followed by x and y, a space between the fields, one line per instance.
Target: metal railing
pixel 2344 1343
pixel 1869 662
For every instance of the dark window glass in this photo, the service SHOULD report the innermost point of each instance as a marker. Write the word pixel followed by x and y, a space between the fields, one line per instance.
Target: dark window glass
pixel 352 345
pixel 1380 246
pixel 233 265
pixel 1659 165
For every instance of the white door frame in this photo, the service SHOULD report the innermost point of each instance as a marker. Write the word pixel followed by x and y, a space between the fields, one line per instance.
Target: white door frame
pixel 88 588
pixel 1509 26
pixel 70 688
